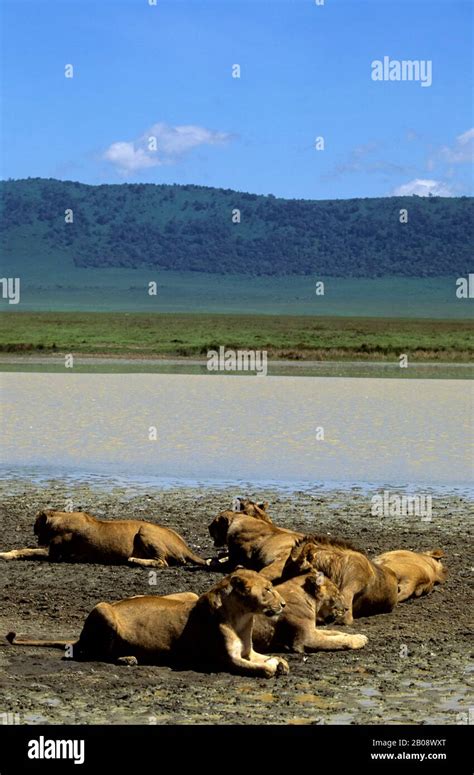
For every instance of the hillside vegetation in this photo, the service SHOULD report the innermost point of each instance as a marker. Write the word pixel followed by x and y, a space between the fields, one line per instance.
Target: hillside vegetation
pixel 190 228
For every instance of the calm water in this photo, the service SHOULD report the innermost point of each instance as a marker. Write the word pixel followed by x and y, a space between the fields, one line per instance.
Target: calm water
pixel 245 429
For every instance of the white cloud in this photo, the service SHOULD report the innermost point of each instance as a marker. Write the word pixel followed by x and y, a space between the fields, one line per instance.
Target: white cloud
pixel 422 187
pixel 463 149
pixel 129 159
pixel 175 140
pixel 161 144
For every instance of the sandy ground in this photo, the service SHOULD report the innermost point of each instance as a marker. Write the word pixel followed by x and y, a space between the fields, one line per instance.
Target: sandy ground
pixel 414 669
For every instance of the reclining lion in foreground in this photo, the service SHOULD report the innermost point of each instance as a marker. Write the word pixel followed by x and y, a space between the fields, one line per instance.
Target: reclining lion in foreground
pixel 416 572
pixel 366 588
pixel 79 537
pixel 310 598
pixel 213 630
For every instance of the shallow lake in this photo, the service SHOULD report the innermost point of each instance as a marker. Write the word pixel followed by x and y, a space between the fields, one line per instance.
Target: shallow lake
pixel 279 429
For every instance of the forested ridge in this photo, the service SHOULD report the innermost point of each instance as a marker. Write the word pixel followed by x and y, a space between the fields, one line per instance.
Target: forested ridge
pixel 194 228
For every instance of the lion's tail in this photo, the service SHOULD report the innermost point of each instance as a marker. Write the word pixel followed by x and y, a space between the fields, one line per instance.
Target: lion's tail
pixel 195 558
pixel 54 644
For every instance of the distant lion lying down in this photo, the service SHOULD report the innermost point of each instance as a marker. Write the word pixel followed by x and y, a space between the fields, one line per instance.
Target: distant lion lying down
pixel 79 537
pixel 214 630
pixel 253 541
pixel 416 572
pixel 310 598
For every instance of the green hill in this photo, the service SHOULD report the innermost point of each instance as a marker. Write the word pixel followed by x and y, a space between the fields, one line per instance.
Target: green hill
pixel 190 228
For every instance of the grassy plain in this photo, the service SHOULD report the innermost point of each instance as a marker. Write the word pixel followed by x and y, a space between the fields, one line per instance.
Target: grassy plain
pixel 161 335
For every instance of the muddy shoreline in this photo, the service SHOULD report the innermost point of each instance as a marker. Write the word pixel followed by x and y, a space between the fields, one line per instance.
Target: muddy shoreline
pixel 131 363
pixel 414 670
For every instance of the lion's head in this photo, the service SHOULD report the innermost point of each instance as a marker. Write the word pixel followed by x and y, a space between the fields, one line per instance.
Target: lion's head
pixel 256 593
pixel 435 556
pixel 42 528
pixel 246 591
pixel 329 601
pixel 300 559
pixel 255 509
pixel 219 527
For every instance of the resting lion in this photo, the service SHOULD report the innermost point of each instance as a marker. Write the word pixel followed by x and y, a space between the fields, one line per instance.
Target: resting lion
pixel 366 588
pixel 79 537
pixel 253 542
pixel 310 599
pixel 214 630
pixel 416 572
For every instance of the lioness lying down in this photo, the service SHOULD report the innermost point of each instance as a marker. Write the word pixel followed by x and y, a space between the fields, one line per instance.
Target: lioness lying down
pixel 416 572
pixel 309 598
pixel 366 588
pixel 214 630
pixel 253 542
pixel 79 537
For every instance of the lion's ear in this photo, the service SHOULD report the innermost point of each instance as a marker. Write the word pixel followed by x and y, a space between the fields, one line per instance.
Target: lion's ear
pixel 223 520
pixel 313 583
pixel 214 600
pixel 436 554
pixel 261 509
pixel 304 561
pixel 40 520
pixel 310 584
pixel 295 553
pixel 239 584
pixel 310 554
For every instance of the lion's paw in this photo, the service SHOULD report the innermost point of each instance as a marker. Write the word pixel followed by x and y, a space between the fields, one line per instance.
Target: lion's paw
pixel 358 641
pixel 129 661
pixel 283 667
pixel 277 665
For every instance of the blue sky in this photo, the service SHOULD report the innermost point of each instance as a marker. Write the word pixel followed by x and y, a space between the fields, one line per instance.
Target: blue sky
pixel 165 72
